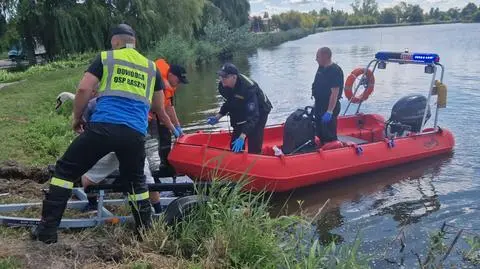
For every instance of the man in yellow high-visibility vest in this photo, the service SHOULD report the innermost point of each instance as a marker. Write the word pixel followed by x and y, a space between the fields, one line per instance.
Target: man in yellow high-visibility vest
pixel 129 86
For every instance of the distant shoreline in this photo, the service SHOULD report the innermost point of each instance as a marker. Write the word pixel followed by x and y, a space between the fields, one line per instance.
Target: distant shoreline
pixel 337 28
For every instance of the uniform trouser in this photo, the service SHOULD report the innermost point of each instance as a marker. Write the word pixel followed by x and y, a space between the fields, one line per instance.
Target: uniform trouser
pixel 164 143
pixel 84 152
pixel 255 138
pixel 326 132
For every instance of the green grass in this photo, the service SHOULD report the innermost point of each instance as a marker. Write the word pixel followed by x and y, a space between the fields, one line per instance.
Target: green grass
pixel 68 61
pixel 4 55
pixel 473 254
pixel 234 230
pixel 32 132
pixel 10 263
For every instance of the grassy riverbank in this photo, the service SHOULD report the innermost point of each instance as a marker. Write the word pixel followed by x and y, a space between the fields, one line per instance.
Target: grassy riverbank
pixel 32 132
pixel 232 230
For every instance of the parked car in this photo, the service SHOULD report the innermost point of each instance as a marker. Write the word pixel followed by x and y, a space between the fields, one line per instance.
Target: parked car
pixel 17 53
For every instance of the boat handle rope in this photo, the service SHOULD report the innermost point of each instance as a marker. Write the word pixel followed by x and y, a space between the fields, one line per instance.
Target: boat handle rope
pixel 390 142
pixel 359 150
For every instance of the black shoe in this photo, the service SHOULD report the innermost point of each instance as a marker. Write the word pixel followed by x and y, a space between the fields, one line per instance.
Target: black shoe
pixel 159 208
pixel 47 235
pixel 46 231
pixel 92 204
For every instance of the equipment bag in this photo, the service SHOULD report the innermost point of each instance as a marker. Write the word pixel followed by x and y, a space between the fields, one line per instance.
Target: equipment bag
pixel 298 130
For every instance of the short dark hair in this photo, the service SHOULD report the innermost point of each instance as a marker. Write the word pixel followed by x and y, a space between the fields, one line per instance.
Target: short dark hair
pixel 326 51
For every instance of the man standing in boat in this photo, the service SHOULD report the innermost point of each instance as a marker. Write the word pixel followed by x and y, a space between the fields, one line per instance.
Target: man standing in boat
pixel 327 90
pixel 247 106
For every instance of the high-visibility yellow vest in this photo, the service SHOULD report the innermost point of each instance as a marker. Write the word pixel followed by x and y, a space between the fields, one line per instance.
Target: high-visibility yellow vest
pixel 127 73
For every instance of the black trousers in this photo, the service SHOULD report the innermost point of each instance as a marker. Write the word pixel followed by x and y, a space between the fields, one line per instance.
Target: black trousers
pixel 96 141
pixel 164 137
pixel 326 132
pixel 164 143
pixel 255 138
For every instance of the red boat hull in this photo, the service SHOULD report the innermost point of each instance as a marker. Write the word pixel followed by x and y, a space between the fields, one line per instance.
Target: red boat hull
pixel 205 156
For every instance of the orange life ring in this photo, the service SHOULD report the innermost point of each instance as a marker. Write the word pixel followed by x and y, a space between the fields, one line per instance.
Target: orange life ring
pixel 349 85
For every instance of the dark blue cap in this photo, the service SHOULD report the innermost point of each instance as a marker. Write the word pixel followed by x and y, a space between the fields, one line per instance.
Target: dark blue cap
pixel 123 29
pixel 228 69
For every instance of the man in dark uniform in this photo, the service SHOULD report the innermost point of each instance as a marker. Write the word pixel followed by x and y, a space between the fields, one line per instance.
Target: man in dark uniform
pixel 129 84
pixel 327 90
pixel 247 106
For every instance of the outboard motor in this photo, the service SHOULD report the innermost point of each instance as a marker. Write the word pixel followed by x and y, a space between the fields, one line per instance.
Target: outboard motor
pixel 407 114
pixel 298 130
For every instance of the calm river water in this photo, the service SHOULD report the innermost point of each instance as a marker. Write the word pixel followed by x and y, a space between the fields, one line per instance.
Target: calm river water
pixel 414 199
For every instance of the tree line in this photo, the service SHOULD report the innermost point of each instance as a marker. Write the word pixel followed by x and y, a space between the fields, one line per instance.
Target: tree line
pixel 206 27
pixel 365 12
pixel 72 26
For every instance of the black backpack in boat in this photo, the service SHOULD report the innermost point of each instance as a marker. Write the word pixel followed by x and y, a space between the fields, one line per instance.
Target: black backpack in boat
pixel 298 130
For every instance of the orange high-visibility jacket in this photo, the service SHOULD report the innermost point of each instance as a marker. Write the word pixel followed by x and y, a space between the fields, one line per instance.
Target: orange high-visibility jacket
pixel 169 91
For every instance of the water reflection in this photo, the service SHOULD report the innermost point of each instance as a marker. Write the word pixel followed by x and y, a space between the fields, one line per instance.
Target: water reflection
pixel 406 193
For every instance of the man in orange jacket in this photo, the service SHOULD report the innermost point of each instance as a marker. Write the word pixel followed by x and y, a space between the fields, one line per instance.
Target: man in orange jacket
pixel 172 75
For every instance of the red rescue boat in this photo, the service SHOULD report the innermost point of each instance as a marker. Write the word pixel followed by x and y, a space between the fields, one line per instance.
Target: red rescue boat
pixel 366 142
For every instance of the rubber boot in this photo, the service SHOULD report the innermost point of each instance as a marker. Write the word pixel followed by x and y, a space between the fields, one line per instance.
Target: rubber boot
pixel 142 214
pixel 164 164
pixel 52 212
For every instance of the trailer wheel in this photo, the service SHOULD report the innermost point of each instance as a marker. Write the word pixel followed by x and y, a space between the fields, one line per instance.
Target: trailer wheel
pixel 181 207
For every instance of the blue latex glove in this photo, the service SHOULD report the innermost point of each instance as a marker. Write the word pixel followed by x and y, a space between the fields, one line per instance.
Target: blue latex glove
pixel 212 120
pixel 179 129
pixel 176 133
pixel 327 117
pixel 238 144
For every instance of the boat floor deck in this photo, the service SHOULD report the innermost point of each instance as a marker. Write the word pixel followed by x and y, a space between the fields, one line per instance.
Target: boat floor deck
pixel 346 138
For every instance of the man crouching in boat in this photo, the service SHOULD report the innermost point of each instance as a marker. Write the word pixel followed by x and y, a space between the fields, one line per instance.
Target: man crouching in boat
pixel 247 106
pixel 327 90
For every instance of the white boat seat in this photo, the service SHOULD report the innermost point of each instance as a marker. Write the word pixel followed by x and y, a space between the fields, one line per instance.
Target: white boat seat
pixel 346 138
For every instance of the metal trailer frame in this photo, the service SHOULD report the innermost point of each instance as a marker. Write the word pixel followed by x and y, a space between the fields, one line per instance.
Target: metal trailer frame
pixel 103 216
pixel 405 60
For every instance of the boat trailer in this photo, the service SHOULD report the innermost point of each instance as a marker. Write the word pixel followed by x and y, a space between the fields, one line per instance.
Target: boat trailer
pixel 186 196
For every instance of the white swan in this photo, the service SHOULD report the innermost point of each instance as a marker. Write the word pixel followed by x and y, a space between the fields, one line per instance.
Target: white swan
pixel 64 96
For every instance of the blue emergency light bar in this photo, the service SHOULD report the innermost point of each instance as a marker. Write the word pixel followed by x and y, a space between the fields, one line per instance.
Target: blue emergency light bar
pixel 427 58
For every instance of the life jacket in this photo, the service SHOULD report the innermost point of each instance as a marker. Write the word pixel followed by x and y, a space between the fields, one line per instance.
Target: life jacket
pixel 169 91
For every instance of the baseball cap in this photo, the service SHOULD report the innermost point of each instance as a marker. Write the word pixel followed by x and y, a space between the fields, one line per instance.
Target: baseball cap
pixel 179 72
pixel 228 69
pixel 123 29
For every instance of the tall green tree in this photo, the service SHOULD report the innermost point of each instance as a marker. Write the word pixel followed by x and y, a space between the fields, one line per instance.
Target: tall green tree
pixel 325 12
pixel 414 13
pixel 64 26
pixel 234 11
pixel 388 16
pixel 468 11
pixel 454 13
pixel 338 17
pixel 476 17
pixel 365 8
pixel 434 14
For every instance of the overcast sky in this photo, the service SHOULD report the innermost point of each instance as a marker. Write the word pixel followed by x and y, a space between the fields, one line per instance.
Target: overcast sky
pixel 277 6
